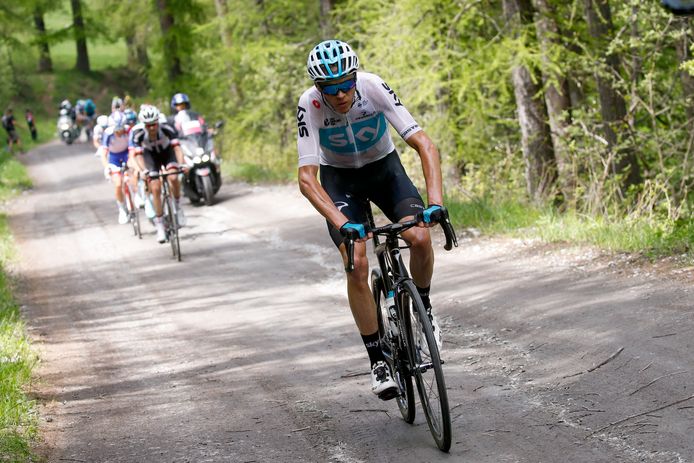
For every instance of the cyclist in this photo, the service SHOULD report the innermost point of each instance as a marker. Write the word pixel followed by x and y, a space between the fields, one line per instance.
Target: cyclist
pixel 117 104
pixel 114 152
pixel 155 145
pixel 343 136
pixel 98 135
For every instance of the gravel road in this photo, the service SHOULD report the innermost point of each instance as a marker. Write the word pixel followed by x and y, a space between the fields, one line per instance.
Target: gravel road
pixel 246 351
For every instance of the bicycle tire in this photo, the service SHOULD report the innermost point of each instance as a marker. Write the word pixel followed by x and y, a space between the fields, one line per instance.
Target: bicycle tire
pixel 173 229
pixel 133 212
pixel 431 385
pixel 399 365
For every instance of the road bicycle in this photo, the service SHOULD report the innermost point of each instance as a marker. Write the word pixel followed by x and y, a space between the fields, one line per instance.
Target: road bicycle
pixel 405 328
pixel 169 208
pixel 129 195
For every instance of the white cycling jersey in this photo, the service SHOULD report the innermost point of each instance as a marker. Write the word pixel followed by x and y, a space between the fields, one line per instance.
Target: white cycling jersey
pixel 358 137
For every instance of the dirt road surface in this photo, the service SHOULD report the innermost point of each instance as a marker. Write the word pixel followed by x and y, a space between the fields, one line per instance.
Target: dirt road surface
pixel 246 351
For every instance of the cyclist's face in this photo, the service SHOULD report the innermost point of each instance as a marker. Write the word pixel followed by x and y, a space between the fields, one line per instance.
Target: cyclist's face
pixel 180 106
pixel 342 101
pixel 152 129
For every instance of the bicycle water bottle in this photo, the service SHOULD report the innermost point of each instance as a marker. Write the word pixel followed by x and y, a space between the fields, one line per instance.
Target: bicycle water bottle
pixel 392 315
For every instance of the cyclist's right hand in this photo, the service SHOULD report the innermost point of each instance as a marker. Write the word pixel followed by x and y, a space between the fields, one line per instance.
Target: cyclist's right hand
pixel 353 231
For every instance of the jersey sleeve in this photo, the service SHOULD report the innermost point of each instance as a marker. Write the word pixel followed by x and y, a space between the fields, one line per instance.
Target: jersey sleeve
pixel 171 133
pixel 387 101
pixel 307 138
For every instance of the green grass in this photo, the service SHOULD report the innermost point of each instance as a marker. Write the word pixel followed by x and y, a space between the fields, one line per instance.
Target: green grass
pixel 254 173
pixel 652 237
pixel 18 415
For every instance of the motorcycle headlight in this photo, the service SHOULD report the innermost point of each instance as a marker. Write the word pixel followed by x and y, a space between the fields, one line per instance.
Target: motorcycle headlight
pixel 199 151
pixel 65 127
pixel 205 158
pixel 197 160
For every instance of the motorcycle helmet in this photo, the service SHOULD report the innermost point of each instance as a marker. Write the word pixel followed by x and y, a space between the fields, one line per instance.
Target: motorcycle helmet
pixel 148 114
pixel 65 104
pixel 102 121
pixel 179 98
pixel 331 59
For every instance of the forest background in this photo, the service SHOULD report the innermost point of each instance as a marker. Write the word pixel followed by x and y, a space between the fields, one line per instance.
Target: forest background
pixel 559 120
pixel 567 120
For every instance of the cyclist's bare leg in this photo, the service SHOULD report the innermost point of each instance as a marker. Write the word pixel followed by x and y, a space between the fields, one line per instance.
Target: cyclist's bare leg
pixel 361 300
pixel 421 255
pixel 117 180
pixel 155 189
pixel 174 183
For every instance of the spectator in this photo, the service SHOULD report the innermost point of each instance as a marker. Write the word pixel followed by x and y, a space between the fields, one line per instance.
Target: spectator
pixel 29 116
pixel 8 125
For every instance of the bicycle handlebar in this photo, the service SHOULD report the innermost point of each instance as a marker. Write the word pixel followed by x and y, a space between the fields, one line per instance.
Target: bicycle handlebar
pixel 439 216
pixel 153 175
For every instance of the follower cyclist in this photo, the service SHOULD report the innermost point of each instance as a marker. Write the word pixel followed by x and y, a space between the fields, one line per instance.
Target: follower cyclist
pixel 154 146
pixel 114 152
pixel 343 136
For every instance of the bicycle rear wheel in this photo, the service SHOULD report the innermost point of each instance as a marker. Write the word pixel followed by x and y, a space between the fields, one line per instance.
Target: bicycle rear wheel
pixel 427 369
pixel 396 355
pixel 172 229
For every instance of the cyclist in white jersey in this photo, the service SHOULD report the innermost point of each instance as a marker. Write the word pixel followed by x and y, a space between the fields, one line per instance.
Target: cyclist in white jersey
pixel 114 152
pixel 343 136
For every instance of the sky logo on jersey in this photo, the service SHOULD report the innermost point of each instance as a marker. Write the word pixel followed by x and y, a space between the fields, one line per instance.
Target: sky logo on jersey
pixel 366 134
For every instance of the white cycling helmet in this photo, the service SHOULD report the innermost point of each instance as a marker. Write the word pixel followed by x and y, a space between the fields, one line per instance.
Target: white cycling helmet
pixel 117 120
pixel 148 114
pixel 102 121
pixel 331 59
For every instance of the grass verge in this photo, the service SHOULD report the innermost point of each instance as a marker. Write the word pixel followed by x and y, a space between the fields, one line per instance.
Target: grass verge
pixel 651 236
pixel 18 415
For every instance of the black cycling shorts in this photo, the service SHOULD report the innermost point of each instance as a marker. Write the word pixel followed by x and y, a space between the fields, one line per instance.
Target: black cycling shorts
pixel 383 182
pixel 155 161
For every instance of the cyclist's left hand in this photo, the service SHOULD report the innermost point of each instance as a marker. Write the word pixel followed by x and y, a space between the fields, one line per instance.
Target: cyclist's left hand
pixel 425 217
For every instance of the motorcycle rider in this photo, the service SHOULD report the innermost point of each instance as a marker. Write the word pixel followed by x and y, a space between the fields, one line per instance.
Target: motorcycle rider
pixel 154 146
pixel 181 112
pixel 66 106
pixel 114 152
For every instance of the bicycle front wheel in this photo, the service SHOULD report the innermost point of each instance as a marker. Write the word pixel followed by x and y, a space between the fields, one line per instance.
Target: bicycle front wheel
pixel 172 231
pixel 426 367
pixel 396 354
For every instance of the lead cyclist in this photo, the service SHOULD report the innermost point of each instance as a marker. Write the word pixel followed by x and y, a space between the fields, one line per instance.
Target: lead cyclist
pixel 343 136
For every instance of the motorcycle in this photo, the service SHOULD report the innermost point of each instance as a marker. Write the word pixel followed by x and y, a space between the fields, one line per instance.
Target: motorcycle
pixel 204 178
pixel 67 129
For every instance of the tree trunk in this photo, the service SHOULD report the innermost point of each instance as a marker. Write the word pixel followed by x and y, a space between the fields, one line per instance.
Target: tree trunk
pixel 136 51
pixel 82 64
pixel 557 99
pixel 326 28
pixel 221 6
pixel 171 55
pixel 540 165
pixel 612 104
pixel 45 62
